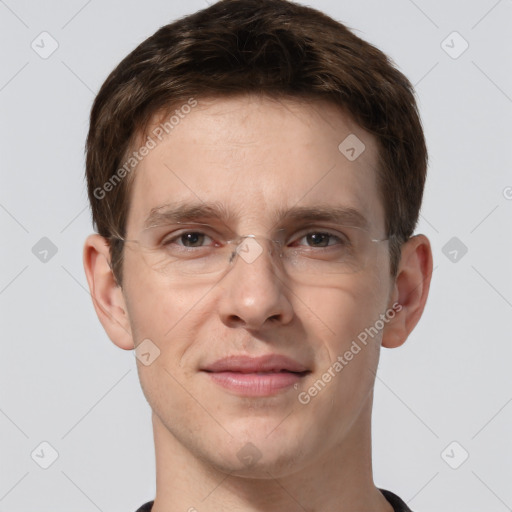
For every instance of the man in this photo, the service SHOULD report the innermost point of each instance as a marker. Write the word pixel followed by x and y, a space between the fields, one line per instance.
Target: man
pixel 255 173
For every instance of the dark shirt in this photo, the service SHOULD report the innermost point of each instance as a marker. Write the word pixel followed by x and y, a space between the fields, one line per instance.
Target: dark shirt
pixel 397 504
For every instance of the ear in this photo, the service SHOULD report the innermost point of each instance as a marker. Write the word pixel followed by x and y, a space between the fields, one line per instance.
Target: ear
pixel 410 290
pixel 107 295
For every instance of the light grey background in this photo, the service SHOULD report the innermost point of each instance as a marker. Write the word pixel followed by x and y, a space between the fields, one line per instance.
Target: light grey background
pixel 62 381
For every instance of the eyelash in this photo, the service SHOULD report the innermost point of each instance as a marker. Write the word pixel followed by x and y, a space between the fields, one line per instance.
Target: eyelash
pixel 341 239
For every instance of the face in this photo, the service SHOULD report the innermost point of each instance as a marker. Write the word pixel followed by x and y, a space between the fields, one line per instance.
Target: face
pixel 221 386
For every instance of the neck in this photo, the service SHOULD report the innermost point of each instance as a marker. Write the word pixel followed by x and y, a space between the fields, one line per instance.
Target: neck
pixel 339 479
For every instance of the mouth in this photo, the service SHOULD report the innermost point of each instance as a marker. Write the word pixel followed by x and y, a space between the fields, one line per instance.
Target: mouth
pixel 256 376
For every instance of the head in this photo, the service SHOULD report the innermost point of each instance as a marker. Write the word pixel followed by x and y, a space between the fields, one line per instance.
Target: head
pixel 244 111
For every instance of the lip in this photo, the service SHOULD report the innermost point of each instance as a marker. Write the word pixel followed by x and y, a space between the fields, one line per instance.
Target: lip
pixel 248 364
pixel 256 376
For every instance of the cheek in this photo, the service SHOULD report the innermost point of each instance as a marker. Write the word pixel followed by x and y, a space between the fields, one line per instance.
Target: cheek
pixel 173 318
pixel 167 317
pixel 156 306
pixel 341 312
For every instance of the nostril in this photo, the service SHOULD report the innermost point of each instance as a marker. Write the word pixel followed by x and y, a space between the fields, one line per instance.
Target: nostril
pixel 235 321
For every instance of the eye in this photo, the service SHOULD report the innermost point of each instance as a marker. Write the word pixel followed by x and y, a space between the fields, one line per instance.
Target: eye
pixel 322 239
pixel 190 239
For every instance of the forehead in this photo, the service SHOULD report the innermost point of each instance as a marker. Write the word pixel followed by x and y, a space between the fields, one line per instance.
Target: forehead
pixel 256 158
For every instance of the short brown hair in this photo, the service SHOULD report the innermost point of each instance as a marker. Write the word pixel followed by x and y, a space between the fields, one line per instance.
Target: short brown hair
pixel 271 47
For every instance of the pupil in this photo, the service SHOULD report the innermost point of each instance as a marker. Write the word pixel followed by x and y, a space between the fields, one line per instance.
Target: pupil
pixel 318 239
pixel 192 238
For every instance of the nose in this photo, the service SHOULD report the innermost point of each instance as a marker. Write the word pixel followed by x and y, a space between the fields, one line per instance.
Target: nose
pixel 255 291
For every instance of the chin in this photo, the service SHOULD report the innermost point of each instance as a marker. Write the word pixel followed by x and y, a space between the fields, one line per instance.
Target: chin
pixel 257 449
pixel 275 432
pixel 251 462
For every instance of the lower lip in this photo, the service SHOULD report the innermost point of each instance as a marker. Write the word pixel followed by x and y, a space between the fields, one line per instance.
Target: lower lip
pixel 254 384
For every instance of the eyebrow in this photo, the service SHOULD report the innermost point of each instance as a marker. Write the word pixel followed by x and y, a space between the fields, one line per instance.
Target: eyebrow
pixel 182 213
pixel 343 215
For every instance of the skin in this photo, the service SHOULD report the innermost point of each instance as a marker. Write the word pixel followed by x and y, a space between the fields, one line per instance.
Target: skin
pixel 254 155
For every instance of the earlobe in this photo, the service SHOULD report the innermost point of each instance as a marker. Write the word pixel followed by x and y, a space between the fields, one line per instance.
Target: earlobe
pixel 106 295
pixel 410 290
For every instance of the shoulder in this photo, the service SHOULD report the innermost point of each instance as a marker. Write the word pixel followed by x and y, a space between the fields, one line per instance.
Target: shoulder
pixel 397 503
pixel 146 507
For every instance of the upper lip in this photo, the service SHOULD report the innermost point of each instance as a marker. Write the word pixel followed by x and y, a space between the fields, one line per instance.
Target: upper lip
pixel 248 364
